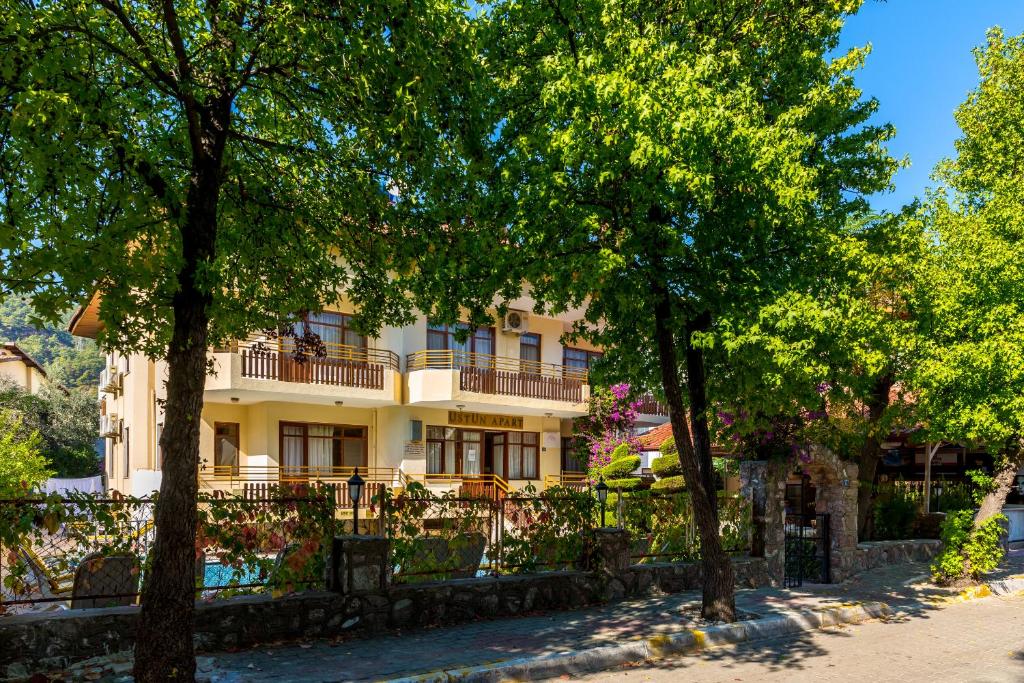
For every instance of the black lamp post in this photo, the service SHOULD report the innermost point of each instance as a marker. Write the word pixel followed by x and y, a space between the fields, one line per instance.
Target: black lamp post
pixel 602 496
pixel 355 489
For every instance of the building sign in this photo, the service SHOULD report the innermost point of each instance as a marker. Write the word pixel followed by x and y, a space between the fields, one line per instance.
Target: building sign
pixel 415 450
pixel 457 417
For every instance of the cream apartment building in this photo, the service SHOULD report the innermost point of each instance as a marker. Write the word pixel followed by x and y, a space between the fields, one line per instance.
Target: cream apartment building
pixel 412 404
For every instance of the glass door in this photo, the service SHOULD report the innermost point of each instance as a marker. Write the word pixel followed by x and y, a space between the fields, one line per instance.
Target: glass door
pixel 472 453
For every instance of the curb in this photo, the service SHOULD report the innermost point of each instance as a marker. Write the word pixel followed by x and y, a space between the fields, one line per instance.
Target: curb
pixel 1009 586
pixel 685 642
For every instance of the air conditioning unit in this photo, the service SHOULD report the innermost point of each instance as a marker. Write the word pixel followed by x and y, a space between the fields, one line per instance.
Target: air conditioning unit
pixel 516 322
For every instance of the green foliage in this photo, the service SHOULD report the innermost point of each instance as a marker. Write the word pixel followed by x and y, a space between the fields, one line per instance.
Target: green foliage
pixel 621 451
pixel 983 484
pixel 65 421
pixel 68 361
pixel 414 545
pixel 968 552
pixel 971 381
pixel 626 484
pixel 296 525
pixel 666 466
pixel 547 529
pixel 895 512
pixel 669 483
pixel 621 467
pixel 22 466
pixel 240 132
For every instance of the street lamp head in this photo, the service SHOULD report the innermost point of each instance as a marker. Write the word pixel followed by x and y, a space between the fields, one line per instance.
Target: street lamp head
pixel 355 487
pixel 602 491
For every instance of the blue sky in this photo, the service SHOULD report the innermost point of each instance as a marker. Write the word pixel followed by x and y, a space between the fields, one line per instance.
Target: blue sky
pixel 920 69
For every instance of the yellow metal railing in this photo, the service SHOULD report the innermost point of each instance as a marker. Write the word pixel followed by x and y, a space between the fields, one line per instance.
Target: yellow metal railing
pixel 565 479
pixel 232 477
pixel 461 477
pixel 449 359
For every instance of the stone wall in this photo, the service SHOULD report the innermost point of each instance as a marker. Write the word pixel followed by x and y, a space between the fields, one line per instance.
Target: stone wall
pixel 874 554
pixel 55 639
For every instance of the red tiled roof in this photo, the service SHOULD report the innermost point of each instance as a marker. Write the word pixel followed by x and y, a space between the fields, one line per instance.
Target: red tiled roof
pixel 652 440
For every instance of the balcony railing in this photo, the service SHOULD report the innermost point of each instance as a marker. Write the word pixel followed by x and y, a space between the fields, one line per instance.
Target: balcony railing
pixel 486 374
pixel 339 365
pixel 237 476
pixel 648 405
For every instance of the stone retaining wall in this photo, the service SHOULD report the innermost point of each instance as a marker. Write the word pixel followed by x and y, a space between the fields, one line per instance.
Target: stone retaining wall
pixel 55 639
pixel 847 563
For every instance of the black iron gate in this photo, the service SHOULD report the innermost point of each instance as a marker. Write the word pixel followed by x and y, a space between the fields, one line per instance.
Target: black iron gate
pixel 808 550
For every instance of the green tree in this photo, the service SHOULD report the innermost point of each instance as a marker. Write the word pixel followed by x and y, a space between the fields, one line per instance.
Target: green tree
pixel 22 466
pixel 213 168
pixel 68 361
pixel 971 382
pixel 828 361
pixel 664 165
pixel 66 423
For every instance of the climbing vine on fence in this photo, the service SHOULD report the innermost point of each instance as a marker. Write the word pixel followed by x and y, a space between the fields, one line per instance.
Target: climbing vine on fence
pixel 434 537
pixel 546 531
pixel 280 541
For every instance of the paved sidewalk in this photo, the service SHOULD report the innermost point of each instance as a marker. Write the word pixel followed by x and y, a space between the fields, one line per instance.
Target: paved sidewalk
pixel 901 587
pixel 981 641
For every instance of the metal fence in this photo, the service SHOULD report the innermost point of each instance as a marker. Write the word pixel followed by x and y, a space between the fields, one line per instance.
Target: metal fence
pixel 93 552
pixel 87 552
pixel 663 527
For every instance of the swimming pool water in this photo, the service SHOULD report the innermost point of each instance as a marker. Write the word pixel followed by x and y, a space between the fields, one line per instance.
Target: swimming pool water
pixel 217 574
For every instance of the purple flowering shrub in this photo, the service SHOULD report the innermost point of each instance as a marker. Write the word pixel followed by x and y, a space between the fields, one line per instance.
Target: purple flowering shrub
pixel 609 424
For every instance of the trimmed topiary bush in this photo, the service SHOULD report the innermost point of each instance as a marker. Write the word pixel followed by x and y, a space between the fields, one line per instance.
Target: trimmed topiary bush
pixel 666 466
pixel 621 451
pixel 627 484
pixel 623 467
pixel 669 484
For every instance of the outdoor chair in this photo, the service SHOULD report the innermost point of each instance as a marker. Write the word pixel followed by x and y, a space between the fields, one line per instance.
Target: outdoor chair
pixel 49 583
pixel 105 581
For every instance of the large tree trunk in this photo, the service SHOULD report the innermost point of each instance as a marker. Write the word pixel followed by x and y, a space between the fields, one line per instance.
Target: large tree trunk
pixel 870 454
pixel 719 602
pixel 696 386
pixel 1004 479
pixel 163 647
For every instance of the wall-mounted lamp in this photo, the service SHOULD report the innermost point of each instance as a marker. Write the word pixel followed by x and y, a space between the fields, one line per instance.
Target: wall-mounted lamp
pixel 234 399
pixel 339 403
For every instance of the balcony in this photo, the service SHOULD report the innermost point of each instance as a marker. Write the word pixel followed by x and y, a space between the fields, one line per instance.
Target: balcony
pixel 275 369
pixel 650 410
pixel 261 480
pixel 442 377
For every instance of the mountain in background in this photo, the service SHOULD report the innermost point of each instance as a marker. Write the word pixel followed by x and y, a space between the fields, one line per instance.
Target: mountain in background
pixel 70 361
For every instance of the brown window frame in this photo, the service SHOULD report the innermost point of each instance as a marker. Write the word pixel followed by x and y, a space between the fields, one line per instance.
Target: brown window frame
pixel 218 440
pixel 510 441
pixel 365 438
pixel 530 364
pixel 589 356
pixel 455 441
pixel 567 447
